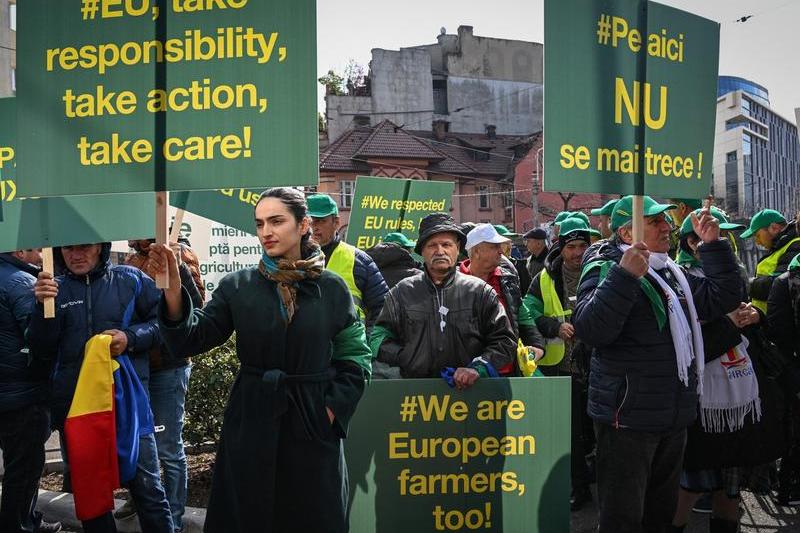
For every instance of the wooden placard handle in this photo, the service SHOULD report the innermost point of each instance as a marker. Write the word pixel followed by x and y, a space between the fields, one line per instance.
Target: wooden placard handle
pixel 162 230
pixel 47 266
pixel 638 218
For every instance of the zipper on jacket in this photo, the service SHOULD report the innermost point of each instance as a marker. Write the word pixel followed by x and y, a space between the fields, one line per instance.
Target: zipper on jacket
pixel 624 398
pixel 89 306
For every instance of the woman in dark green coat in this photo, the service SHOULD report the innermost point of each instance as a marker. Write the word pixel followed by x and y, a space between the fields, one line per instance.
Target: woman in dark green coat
pixel 304 364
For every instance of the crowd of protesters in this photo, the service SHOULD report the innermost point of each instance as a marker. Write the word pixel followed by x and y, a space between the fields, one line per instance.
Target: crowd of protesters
pixel 683 368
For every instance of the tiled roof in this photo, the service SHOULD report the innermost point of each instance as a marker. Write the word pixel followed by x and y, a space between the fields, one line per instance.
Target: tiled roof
pixel 455 154
pixel 389 141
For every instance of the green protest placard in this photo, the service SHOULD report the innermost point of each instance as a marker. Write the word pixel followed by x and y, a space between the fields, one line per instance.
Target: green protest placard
pixel 232 207
pixel 389 205
pixel 48 222
pixel 424 457
pixel 137 96
pixel 630 98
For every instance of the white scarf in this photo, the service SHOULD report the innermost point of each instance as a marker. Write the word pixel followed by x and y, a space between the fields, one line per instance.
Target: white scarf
pixel 730 389
pixel 687 337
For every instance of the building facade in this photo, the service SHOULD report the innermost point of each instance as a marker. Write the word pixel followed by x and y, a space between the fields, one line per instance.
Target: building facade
pixel 8 48
pixel 482 166
pixel 469 81
pixel 756 152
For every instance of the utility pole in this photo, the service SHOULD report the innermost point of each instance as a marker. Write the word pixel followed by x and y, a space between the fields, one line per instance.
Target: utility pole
pixel 535 188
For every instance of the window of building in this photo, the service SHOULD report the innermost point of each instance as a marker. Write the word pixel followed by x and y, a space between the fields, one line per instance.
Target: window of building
pixel 745 106
pixel 346 194
pixel 480 155
pixel 12 16
pixel 440 97
pixel 483 198
pixel 731 156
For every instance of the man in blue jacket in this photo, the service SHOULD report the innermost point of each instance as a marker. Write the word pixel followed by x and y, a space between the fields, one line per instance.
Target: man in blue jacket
pixel 641 314
pixel 94 297
pixel 24 416
pixel 359 271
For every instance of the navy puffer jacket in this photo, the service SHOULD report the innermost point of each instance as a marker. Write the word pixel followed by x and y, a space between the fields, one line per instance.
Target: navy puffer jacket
pixel 22 382
pixel 633 380
pixel 109 297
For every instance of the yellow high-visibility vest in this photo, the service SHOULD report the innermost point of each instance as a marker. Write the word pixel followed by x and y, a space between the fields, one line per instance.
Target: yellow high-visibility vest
pixel 342 262
pixel 554 348
pixel 768 266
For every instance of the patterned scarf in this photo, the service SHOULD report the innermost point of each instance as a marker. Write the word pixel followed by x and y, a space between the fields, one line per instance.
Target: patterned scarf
pixel 286 275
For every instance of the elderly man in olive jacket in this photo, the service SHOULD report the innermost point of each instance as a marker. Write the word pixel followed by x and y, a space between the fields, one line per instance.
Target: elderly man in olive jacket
pixel 442 318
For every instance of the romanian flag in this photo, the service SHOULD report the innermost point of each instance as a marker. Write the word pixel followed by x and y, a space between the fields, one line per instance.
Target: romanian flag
pixel 109 412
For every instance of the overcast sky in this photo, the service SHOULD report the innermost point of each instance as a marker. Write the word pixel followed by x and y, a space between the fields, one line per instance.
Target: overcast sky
pixel 765 49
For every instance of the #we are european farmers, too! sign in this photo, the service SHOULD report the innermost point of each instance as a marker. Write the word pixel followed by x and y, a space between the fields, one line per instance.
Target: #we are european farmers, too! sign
pixel 424 457
pixel 389 205
pixel 630 98
pixel 134 96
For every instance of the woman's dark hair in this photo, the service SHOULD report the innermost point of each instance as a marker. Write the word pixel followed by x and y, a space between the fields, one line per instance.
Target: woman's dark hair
pixel 684 243
pixel 295 201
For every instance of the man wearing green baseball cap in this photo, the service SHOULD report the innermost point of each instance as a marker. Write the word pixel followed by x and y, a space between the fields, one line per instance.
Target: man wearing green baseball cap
pixel 605 217
pixel 641 313
pixel 548 306
pixel 356 268
pixel 400 240
pixel 689 241
pixel 780 239
pixel 394 259
pixel 683 206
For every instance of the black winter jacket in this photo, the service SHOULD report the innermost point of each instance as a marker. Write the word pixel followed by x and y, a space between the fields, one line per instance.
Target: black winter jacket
pixel 476 326
pixel 23 382
pixel 783 316
pixel 512 292
pixel 86 306
pixel 633 379
pixel 394 262
pixel 761 285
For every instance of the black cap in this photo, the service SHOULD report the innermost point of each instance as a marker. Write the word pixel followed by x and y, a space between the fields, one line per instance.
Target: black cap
pixel 537 233
pixel 438 223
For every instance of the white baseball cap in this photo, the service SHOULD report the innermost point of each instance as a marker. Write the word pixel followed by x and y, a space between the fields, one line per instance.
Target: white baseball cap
pixel 484 233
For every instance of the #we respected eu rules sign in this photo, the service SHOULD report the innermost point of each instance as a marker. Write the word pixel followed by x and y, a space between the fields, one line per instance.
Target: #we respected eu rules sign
pixel 630 98
pixel 144 95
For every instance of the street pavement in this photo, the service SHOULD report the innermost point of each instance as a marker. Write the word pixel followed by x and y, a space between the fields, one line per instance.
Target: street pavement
pixel 760 516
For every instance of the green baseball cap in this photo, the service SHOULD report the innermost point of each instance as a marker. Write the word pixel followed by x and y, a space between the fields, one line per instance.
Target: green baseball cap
pixel 573 224
pixel 719 214
pixel 321 206
pixel 691 203
pixel 762 220
pixel 623 210
pixel 504 231
pixel 606 210
pixel 563 215
pixel 399 239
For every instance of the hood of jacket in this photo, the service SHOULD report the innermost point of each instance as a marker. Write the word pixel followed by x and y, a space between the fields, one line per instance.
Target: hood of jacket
pixel 783 238
pixel 103 265
pixel 19 265
pixel 387 255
